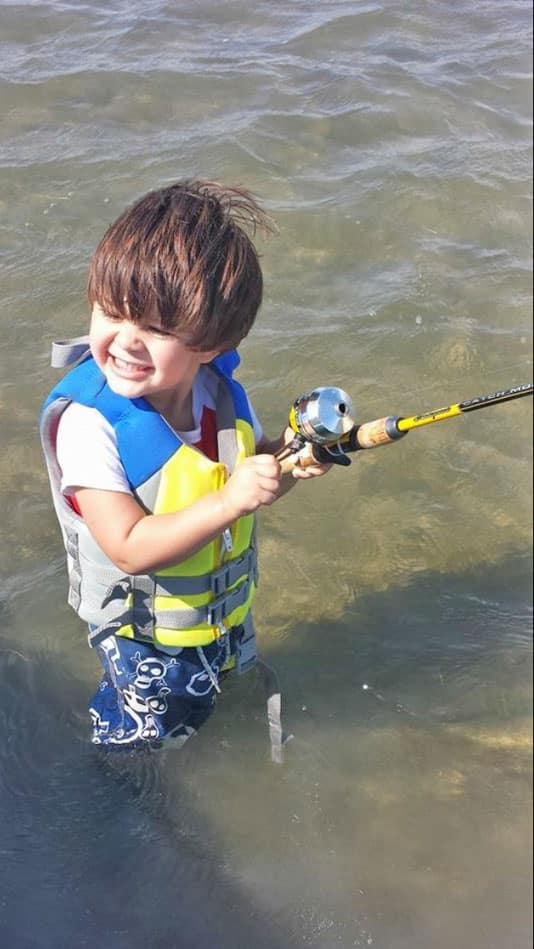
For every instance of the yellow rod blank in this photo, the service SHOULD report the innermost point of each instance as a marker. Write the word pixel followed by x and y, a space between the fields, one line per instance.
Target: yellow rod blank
pixel 438 415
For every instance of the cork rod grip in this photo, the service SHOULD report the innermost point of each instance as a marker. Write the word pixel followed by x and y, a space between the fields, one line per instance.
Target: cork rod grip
pixel 381 431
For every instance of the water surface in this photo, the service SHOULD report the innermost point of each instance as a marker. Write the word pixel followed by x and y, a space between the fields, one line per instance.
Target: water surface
pixel 392 144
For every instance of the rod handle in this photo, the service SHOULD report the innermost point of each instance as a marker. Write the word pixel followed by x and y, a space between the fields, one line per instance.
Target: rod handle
pixel 381 431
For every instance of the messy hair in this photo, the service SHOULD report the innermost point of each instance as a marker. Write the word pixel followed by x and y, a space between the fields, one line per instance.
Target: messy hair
pixel 182 254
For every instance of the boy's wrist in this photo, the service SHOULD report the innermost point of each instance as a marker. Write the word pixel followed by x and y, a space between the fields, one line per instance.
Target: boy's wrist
pixel 225 509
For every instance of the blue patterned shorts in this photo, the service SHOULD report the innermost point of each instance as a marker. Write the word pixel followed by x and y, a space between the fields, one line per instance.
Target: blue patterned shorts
pixel 146 696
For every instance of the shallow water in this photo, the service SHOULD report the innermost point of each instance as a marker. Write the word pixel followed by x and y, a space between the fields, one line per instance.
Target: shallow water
pixel 392 144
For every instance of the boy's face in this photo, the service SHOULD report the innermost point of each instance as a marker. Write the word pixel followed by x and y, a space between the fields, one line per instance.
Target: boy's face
pixel 142 361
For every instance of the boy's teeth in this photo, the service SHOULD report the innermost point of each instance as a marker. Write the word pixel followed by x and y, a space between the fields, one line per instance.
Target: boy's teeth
pixel 122 364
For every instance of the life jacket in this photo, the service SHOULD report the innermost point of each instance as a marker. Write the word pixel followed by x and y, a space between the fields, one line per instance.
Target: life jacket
pixel 198 600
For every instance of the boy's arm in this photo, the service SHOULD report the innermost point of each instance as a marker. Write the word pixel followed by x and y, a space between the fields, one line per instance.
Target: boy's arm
pixel 138 542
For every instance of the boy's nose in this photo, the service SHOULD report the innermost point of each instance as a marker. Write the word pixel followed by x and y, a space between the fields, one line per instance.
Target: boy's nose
pixel 128 335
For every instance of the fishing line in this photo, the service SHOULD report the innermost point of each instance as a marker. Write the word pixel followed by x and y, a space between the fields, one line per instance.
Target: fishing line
pixel 417 390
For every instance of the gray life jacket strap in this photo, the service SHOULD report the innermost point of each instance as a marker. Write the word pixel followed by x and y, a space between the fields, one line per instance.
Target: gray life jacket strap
pixel 145 588
pixel 97 634
pixel 65 352
pixel 141 610
pixel 213 614
pixel 216 582
pixel 243 646
pixel 226 433
pixel 273 693
pixel 75 574
pixel 143 618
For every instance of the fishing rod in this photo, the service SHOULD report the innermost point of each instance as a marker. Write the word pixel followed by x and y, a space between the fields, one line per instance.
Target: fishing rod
pixel 324 419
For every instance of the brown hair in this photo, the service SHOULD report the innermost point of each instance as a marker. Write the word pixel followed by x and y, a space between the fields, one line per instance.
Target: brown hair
pixel 181 254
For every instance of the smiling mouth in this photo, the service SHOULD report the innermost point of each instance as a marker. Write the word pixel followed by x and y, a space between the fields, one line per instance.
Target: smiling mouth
pixel 129 368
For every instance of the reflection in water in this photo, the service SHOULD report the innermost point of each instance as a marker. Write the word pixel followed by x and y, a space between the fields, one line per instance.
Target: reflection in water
pixel 391 800
pixel 101 831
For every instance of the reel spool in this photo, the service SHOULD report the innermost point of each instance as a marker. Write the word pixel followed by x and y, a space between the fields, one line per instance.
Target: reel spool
pixel 322 416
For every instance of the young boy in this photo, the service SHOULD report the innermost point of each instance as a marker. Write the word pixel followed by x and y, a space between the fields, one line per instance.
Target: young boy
pixel 157 462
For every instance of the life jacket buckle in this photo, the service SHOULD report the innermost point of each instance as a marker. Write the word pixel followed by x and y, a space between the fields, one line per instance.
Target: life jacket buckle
pixel 220 580
pixel 220 608
pixel 216 611
pixel 231 571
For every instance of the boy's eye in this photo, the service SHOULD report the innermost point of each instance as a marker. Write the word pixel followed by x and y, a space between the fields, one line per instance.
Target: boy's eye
pixel 159 331
pixel 112 317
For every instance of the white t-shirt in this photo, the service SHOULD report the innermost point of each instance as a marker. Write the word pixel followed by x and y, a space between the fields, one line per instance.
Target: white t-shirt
pixel 87 447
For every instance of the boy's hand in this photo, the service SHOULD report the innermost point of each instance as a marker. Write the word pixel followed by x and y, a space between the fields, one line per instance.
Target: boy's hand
pixel 304 464
pixel 255 481
pixel 307 466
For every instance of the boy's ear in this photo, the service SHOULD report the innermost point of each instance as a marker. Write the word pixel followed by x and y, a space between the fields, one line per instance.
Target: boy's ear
pixel 209 356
